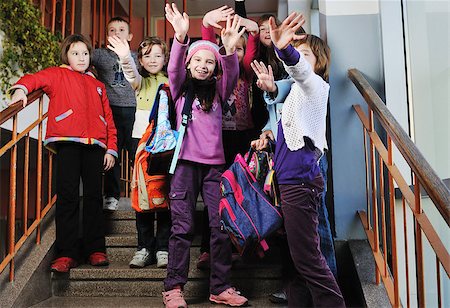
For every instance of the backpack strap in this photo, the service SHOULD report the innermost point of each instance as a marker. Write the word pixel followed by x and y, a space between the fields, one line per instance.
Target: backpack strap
pixel 186 115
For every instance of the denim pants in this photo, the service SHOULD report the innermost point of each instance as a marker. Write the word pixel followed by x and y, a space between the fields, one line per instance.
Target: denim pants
pixel 300 211
pixel 324 229
pixel 188 181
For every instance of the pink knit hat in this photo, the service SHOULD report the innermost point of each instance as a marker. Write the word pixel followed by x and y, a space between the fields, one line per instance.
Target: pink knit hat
pixel 202 44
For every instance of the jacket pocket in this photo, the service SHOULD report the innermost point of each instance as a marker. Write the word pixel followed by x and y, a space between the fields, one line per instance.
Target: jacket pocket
pixel 177 195
pixel 64 115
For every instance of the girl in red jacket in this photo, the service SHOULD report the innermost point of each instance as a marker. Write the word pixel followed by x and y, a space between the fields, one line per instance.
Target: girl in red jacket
pixel 81 130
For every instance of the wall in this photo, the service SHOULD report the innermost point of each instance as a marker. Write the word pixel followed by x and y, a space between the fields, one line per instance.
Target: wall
pixel 352 30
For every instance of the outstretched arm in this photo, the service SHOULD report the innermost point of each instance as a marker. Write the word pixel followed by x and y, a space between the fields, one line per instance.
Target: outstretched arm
pixel 122 49
pixel 211 20
pixel 231 34
pixel 179 22
pixel 239 7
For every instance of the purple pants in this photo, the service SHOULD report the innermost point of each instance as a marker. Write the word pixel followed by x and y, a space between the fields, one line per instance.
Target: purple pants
pixel 300 203
pixel 189 179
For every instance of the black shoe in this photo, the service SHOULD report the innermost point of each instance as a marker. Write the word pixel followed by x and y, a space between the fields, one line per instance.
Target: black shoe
pixel 279 297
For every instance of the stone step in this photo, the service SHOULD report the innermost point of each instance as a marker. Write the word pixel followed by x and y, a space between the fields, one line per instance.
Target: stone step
pixel 137 302
pixel 249 286
pixel 256 277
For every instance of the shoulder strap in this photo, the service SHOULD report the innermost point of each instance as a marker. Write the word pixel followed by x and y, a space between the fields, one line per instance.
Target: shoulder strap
pixel 185 114
pixel 154 113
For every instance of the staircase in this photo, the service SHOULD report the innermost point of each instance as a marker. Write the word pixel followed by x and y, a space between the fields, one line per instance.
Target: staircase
pixel 118 285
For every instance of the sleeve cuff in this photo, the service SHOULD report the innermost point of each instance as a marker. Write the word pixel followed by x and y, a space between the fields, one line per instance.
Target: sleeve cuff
pixel 15 87
pixel 113 153
pixel 289 55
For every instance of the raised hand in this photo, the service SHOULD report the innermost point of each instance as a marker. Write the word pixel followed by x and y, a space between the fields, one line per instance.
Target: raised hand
pixel 250 25
pixel 284 34
pixel 212 18
pixel 266 81
pixel 120 47
pixel 19 95
pixel 179 22
pixel 231 34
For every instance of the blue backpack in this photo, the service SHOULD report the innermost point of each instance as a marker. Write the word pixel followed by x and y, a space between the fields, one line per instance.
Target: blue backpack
pixel 247 213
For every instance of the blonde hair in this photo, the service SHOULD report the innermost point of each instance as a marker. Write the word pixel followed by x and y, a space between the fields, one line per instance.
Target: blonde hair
pixel 321 51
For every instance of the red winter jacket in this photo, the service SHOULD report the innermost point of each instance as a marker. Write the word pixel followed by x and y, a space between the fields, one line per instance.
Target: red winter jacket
pixel 78 110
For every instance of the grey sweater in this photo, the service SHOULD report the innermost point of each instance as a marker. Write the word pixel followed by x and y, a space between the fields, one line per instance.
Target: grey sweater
pixel 119 91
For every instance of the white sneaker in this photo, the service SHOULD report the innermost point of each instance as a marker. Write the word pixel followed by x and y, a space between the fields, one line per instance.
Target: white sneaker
pixel 111 204
pixel 162 258
pixel 141 258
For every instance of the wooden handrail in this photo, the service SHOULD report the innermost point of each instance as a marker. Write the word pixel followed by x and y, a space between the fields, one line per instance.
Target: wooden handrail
pixel 14 109
pixel 430 181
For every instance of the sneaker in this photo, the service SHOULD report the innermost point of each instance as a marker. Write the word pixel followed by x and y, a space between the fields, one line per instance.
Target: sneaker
pixel 63 265
pixel 203 261
pixel 229 297
pixel 174 299
pixel 98 259
pixel 111 204
pixel 141 258
pixel 279 297
pixel 162 258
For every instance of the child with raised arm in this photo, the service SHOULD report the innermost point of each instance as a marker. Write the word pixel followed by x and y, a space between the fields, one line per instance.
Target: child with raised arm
pixel 153 55
pixel 81 130
pixel 299 146
pixel 237 122
pixel 201 157
pixel 122 101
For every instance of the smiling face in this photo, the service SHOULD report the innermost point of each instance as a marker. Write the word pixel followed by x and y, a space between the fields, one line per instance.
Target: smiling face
pixel 78 57
pixel 264 33
pixel 202 64
pixel 152 61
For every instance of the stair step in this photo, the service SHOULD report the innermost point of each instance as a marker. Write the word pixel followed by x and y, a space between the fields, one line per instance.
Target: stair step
pixel 247 284
pixel 136 302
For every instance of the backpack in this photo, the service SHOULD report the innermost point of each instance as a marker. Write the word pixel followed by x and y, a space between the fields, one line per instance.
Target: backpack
pixel 150 180
pixel 247 213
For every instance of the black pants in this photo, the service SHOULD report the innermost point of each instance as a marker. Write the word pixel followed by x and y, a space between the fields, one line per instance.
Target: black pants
pixel 124 120
pixel 146 230
pixel 75 160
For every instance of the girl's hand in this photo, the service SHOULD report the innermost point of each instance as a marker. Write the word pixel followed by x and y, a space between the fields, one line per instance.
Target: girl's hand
pixel 284 34
pixel 108 161
pixel 120 47
pixel 266 81
pixel 180 23
pixel 250 25
pixel 19 95
pixel 231 34
pixel 267 134
pixel 260 144
pixel 212 18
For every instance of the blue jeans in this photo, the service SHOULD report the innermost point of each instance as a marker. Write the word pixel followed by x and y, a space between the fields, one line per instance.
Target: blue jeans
pixel 324 229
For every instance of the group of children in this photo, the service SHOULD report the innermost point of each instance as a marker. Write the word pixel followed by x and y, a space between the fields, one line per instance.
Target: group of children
pixel 90 121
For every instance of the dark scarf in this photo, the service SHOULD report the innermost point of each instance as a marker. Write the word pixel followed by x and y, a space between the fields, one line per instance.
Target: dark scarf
pixel 204 91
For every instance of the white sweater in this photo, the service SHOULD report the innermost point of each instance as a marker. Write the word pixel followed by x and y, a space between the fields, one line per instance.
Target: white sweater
pixel 305 108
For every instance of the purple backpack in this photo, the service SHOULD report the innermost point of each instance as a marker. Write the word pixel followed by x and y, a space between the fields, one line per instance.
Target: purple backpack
pixel 247 213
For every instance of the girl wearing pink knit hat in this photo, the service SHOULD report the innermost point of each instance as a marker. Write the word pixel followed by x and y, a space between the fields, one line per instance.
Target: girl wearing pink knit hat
pixel 209 77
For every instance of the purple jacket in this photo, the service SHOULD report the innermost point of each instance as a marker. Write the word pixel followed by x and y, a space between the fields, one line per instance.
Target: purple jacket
pixel 202 142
